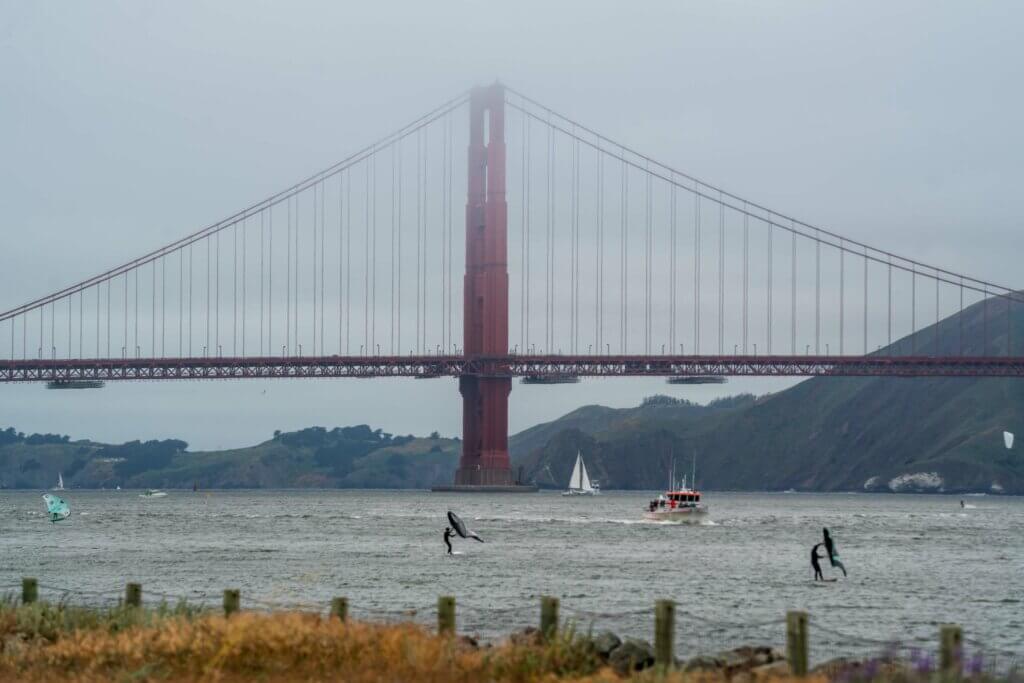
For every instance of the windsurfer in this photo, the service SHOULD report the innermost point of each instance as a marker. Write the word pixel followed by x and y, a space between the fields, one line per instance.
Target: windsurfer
pixel 447 536
pixel 833 554
pixel 817 565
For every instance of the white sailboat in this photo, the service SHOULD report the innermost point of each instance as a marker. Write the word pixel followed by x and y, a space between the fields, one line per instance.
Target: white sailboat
pixel 579 482
pixel 60 482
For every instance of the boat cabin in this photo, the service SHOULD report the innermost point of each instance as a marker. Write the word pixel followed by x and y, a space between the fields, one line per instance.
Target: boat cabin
pixel 683 497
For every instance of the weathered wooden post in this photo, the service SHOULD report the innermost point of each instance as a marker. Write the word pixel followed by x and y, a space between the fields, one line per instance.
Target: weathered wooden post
pixel 232 601
pixel 796 642
pixel 664 633
pixel 446 615
pixel 548 617
pixel 339 609
pixel 951 639
pixel 29 590
pixel 133 595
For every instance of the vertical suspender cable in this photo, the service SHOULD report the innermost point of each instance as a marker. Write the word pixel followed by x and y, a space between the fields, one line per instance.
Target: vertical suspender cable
pixel 624 255
pixel 865 301
pixel 191 255
pixel 323 256
pixel 216 317
pixel 936 351
pixel 444 230
pixel 672 268
pixel 696 268
pixel 234 289
pixel 721 275
pixel 547 253
pixel 889 321
pixel 366 263
pixel 524 122
pixel 263 238
pixel 270 280
pixel 181 305
pixel 394 166
pixel 124 348
pixel 163 309
pixel 960 318
pixel 792 294
pixel 341 269
pixel 554 232
pixel 373 255
pixel 524 272
pixel 842 295
pixel 913 309
pixel 419 229
pixel 288 285
pixel 208 307
pixel 599 314
pixel 817 293
pixel 398 297
pixel 295 288
pixel 348 263
pixel 136 340
pixel 451 204
pixel 746 275
pixel 768 342
pixel 245 264
pixel 426 224
pixel 647 262
pixel 316 216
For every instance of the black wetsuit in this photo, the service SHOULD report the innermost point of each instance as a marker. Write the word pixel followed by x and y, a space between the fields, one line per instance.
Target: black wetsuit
pixel 814 563
pixel 833 555
pixel 447 535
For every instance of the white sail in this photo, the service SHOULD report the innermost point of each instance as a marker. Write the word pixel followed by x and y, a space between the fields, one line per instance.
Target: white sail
pixel 584 478
pixel 1008 439
pixel 60 482
pixel 575 479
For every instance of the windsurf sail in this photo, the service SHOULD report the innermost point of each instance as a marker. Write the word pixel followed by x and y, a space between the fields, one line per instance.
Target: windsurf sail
pixel 57 508
pixel 460 527
pixel 1008 439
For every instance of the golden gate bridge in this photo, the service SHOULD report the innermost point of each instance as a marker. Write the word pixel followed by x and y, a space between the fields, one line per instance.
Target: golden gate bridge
pixel 624 266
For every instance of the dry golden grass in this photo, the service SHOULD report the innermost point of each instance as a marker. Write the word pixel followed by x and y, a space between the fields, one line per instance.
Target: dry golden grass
pixel 278 648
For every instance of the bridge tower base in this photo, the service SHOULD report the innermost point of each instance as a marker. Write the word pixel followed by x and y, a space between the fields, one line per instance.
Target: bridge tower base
pixel 484 465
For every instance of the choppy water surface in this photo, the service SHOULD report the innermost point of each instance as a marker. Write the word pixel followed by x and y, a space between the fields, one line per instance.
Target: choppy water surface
pixel 914 561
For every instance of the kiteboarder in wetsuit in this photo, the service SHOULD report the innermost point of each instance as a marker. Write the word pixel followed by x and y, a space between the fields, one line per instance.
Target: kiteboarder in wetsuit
pixel 447 535
pixel 833 554
pixel 814 563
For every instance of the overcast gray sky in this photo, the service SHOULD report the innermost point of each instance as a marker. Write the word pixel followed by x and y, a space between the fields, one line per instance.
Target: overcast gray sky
pixel 125 125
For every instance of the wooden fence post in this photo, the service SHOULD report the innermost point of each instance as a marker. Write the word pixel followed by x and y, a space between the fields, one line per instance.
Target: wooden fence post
pixel 232 601
pixel 446 615
pixel 133 595
pixel 950 649
pixel 796 642
pixel 29 590
pixel 664 633
pixel 548 617
pixel 339 608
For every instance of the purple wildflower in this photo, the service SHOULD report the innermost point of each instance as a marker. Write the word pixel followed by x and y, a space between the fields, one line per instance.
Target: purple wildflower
pixel 976 664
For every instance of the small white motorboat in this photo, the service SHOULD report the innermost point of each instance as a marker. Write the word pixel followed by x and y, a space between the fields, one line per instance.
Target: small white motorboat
pixel 679 504
pixel 152 493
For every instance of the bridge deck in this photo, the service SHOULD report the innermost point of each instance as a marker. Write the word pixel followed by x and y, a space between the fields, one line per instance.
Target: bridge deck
pixel 534 366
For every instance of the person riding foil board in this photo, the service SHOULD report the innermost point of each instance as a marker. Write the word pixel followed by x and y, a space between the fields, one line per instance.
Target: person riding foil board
pixel 457 527
pixel 833 554
pixel 447 536
pixel 816 564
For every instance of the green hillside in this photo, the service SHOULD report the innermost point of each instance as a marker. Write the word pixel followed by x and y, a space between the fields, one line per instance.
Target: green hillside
pixel 347 457
pixel 823 434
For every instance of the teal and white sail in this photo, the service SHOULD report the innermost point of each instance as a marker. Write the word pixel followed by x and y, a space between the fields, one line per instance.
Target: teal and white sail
pixel 57 507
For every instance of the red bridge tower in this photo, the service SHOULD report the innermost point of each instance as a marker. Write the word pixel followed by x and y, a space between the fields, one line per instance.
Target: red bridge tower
pixel 484 465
